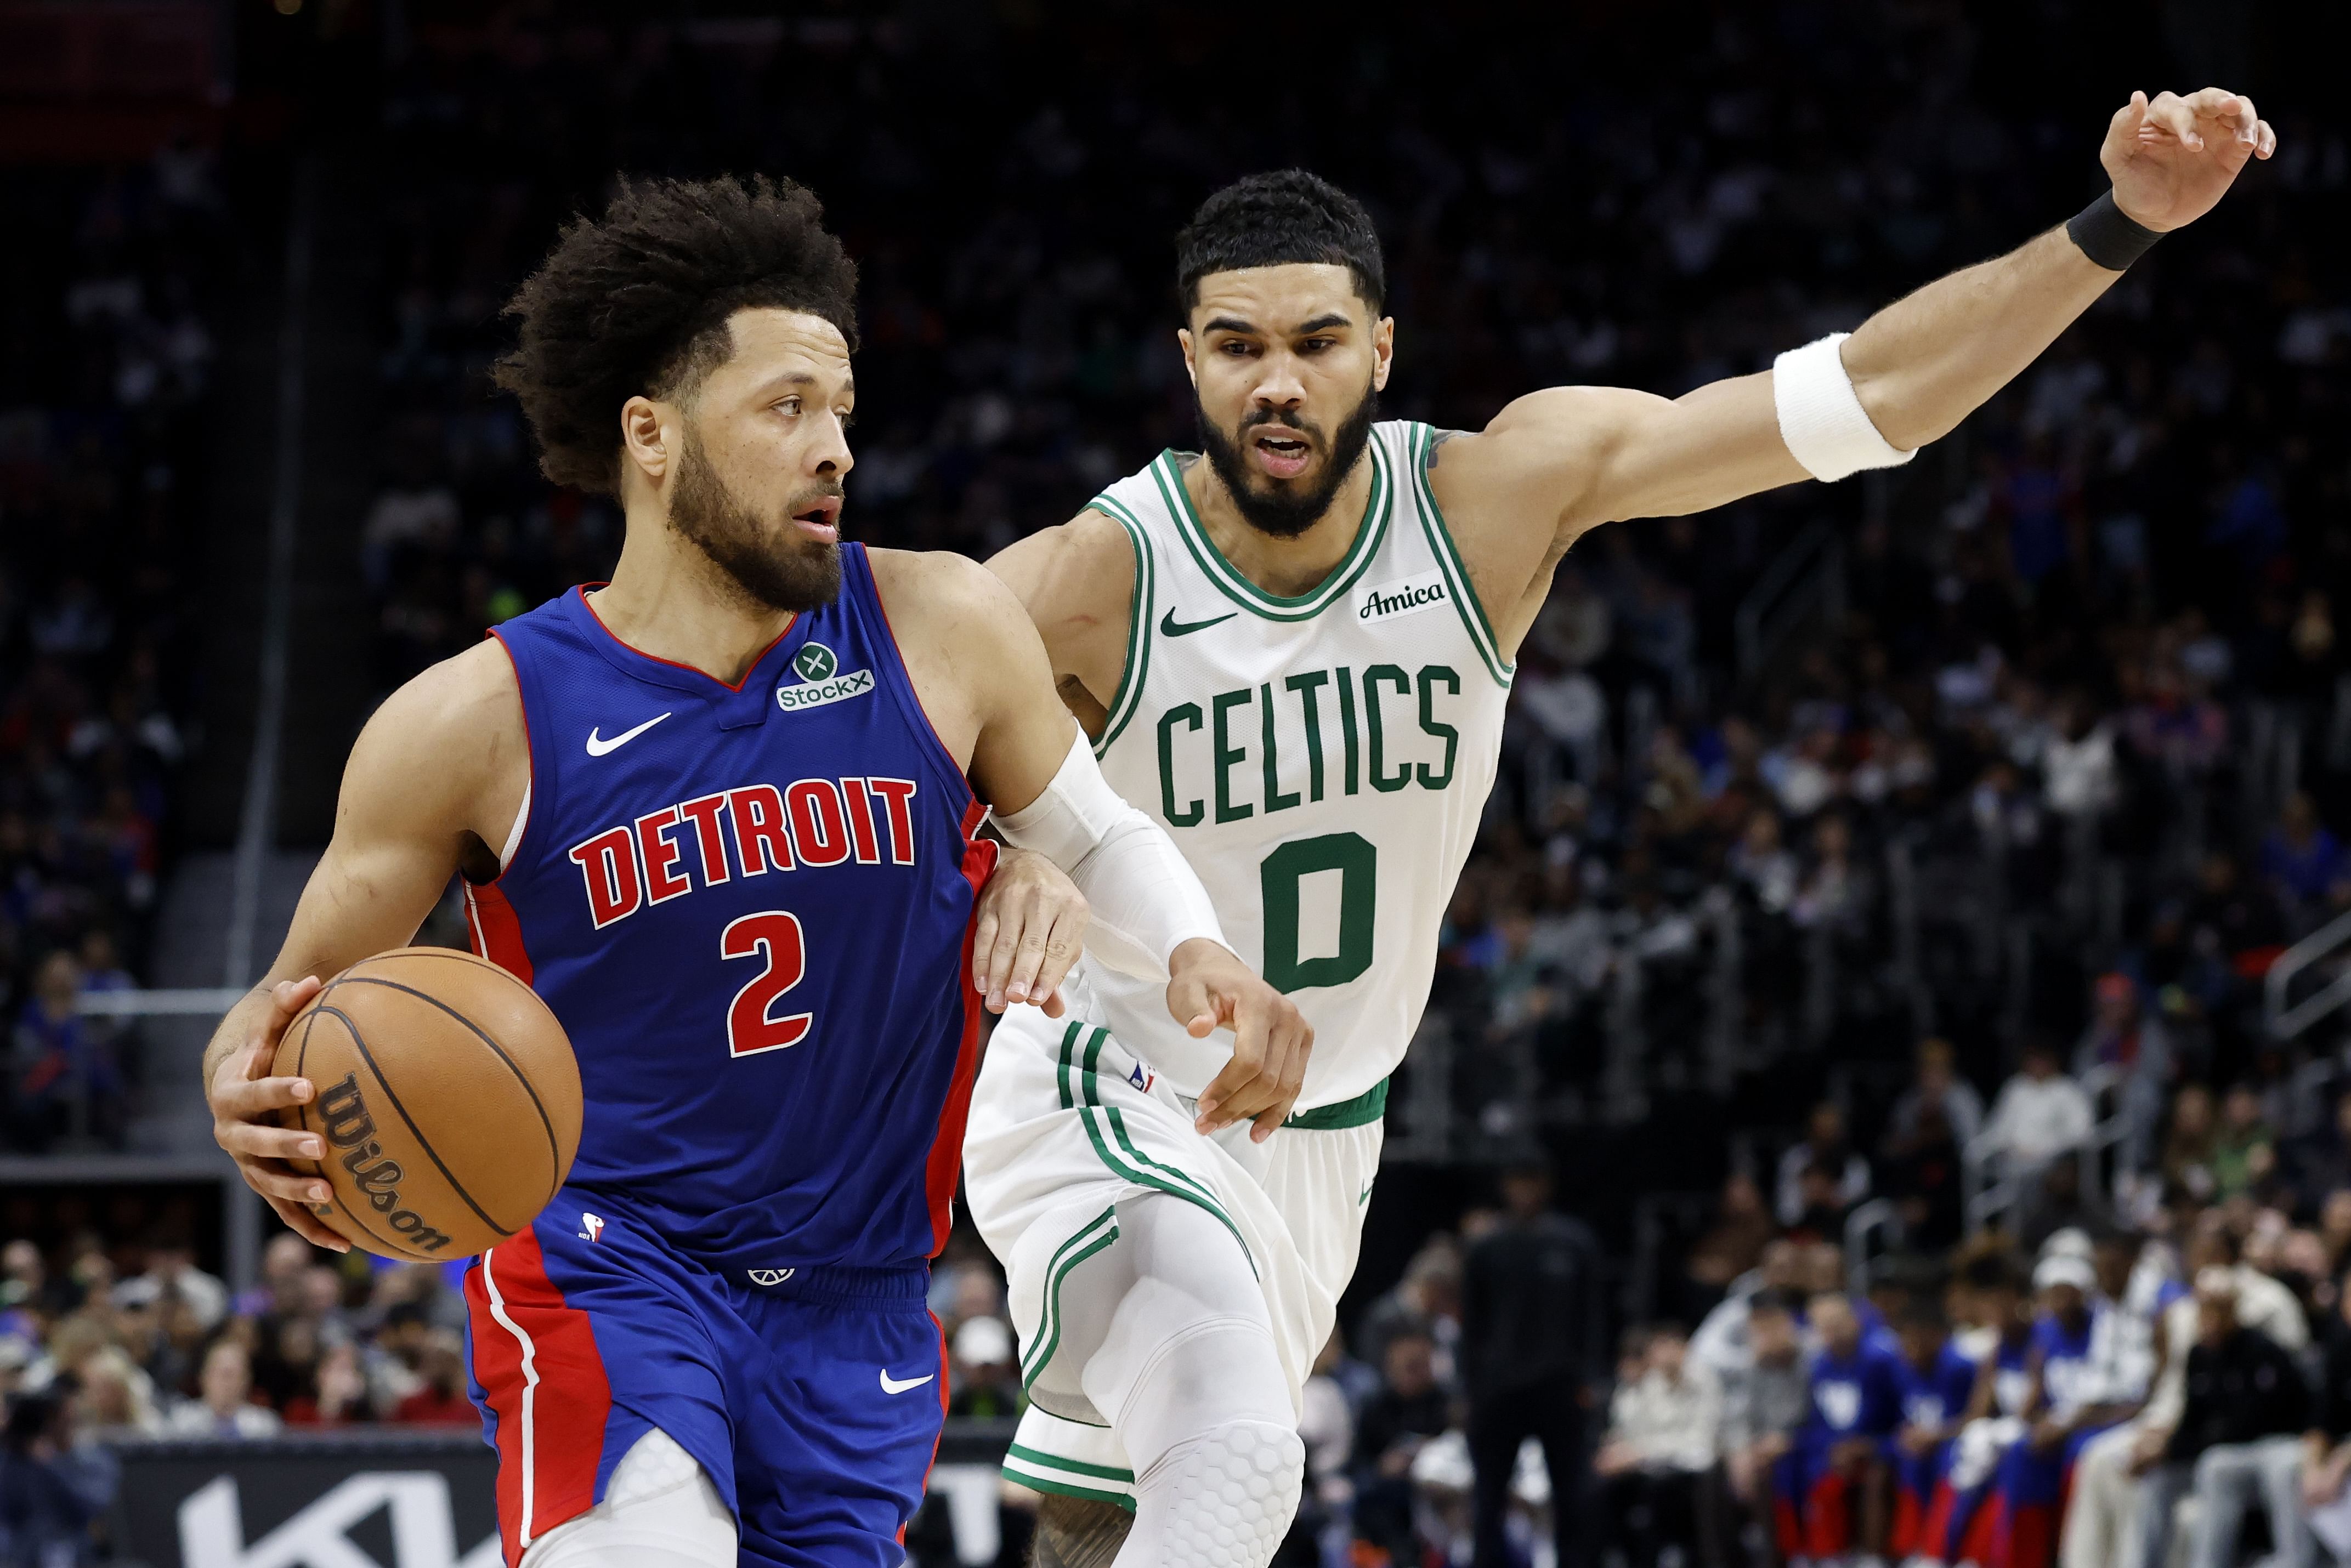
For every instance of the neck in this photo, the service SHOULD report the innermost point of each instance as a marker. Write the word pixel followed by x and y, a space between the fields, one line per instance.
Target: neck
pixel 670 600
pixel 1290 566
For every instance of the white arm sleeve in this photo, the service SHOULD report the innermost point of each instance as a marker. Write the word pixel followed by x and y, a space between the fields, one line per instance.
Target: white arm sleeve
pixel 1828 431
pixel 1147 900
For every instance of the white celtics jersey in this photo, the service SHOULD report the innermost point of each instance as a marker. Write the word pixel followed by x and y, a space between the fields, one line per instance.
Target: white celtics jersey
pixel 1321 760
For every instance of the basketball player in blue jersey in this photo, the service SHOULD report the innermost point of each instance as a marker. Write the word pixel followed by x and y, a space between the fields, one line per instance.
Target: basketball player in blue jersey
pixel 1293 649
pixel 720 813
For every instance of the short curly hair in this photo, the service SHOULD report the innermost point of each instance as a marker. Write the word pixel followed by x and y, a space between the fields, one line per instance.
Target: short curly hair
pixel 637 302
pixel 1274 219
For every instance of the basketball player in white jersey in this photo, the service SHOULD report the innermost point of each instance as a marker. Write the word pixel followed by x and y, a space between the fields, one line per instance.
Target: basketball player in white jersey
pixel 1294 653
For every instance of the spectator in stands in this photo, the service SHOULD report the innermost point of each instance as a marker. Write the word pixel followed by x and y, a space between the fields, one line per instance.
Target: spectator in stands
pixel 2128 1035
pixel 2244 1152
pixel 1936 1082
pixel 1733 1245
pixel 1327 1427
pixel 1721 1341
pixel 171 1271
pixel 337 1393
pixel 1534 1336
pixel 439 1400
pixel 2188 1145
pixel 53 1490
pixel 987 1372
pixel 1664 1425
pixel 1764 1403
pixel 1824 1144
pixel 2327 1446
pixel 2318 1164
pixel 66 1084
pixel 2055 1201
pixel 2240 1436
pixel 1408 1412
pixel 1427 1299
pixel 223 1404
pixel 2040 1112
pixel 2135 1287
pixel 2304 865
pixel 1924 1168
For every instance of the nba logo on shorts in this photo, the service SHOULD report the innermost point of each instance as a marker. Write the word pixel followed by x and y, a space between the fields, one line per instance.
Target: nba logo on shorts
pixel 1143 1077
pixel 591 1227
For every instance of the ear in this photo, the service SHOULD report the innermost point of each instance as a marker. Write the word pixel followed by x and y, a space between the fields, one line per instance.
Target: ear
pixel 648 430
pixel 1191 365
pixel 1382 352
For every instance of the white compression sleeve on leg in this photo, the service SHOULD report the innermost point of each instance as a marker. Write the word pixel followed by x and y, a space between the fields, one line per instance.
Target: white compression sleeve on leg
pixel 1147 900
pixel 1821 417
pixel 1188 1373
pixel 659 1511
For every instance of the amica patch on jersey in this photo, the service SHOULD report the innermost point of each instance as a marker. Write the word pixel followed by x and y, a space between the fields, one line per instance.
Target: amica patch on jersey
pixel 1401 597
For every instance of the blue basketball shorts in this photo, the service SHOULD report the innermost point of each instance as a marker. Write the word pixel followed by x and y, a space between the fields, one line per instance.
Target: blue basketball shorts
pixel 813 1397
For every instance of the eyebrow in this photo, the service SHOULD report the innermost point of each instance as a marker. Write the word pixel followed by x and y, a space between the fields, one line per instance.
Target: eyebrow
pixel 1326 321
pixel 803 378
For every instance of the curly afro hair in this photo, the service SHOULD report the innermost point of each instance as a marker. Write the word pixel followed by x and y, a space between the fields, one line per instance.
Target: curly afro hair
pixel 1275 219
pixel 637 301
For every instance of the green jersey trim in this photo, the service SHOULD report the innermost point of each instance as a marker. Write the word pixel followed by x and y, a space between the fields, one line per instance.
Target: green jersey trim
pixel 1362 1111
pixel 1246 594
pixel 1448 561
pixel 1129 695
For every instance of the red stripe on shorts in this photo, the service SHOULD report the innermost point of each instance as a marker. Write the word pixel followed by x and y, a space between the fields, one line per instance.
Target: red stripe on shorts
pixel 536 1360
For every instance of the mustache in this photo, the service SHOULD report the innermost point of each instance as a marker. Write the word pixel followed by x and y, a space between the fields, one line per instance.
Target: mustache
pixel 1288 419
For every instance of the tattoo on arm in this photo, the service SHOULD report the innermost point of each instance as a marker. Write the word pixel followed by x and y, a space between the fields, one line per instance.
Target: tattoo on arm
pixel 1075 1532
pixel 1436 440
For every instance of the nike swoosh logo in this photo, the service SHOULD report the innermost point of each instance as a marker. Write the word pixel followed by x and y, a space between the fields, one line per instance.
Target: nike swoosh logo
pixel 893 1385
pixel 1170 626
pixel 598 746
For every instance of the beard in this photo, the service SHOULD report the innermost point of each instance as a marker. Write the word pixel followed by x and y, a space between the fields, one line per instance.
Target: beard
pixel 1285 508
pixel 783 573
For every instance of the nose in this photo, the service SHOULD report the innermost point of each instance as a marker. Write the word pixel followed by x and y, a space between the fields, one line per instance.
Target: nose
pixel 1278 384
pixel 830 455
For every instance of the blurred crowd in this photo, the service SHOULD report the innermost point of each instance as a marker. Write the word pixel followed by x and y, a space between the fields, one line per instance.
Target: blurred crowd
pixel 103 375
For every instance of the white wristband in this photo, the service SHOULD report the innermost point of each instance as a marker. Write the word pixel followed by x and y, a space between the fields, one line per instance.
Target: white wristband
pixel 1821 417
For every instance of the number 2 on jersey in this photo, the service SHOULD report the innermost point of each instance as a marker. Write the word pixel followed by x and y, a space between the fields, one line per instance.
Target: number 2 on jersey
pixel 774 936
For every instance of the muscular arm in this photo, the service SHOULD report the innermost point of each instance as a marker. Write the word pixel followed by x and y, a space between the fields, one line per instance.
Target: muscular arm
pixel 436 776
pixel 1558 463
pixel 1077 582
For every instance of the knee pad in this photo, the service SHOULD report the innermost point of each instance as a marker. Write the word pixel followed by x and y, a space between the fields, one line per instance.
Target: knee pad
pixel 1224 1500
pixel 659 1511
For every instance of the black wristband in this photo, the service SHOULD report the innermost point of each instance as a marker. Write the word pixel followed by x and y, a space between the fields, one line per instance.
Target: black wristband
pixel 2108 236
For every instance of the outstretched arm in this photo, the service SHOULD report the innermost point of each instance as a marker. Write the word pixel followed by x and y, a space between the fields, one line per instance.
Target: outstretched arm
pixel 1574 457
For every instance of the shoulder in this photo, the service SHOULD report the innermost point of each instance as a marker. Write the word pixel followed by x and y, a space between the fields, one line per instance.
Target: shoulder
pixel 447 751
pixel 447 711
pixel 949 604
pixel 1079 563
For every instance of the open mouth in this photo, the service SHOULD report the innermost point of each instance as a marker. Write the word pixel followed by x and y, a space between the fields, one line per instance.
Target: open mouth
pixel 821 521
pixel 1282 454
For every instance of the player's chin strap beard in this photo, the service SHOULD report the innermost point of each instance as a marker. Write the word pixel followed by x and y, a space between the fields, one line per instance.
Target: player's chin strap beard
pixel 1285 513
pixel 708 514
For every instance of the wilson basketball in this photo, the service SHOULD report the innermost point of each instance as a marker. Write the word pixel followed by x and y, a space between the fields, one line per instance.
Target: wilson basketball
pixel 448 1098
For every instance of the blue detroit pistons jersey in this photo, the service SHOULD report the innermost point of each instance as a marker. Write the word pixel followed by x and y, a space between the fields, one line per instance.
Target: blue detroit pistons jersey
pixel 750 907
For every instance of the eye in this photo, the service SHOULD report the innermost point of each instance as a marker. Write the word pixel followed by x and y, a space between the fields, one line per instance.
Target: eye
pixel 848 419
pixel 1236 347
pixel 1315 345
pixel 789 404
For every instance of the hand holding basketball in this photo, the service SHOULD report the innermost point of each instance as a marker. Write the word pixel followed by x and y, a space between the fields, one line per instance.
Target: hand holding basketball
pixel 2172 158
pixel 246 1096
